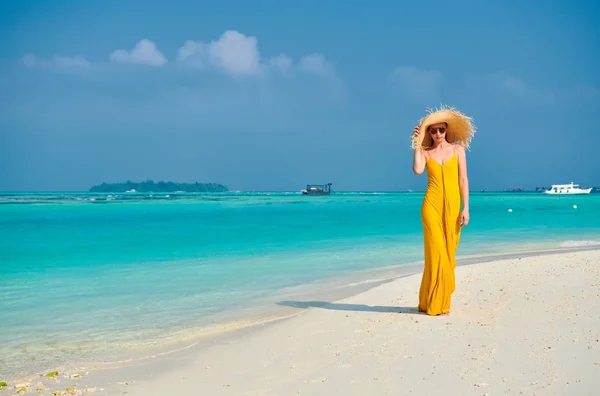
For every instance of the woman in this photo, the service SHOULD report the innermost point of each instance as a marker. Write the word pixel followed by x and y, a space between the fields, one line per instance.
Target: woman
pixel 439 143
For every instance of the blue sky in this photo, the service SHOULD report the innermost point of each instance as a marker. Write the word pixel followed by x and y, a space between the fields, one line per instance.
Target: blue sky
pixel 268 95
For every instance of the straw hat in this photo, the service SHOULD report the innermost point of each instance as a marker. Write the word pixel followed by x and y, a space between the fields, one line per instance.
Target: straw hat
pixel 460 127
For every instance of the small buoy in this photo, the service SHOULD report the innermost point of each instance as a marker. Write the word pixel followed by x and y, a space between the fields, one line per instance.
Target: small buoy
pixel 510 210
pixel 574 206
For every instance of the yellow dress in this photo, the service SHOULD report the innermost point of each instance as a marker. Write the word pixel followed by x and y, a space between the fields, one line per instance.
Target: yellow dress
pixel 440 214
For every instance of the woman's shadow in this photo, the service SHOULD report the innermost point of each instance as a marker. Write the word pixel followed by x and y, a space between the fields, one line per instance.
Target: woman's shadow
pixel 349 307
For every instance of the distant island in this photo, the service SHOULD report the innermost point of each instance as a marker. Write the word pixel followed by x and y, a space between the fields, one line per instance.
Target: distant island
pixel 150 186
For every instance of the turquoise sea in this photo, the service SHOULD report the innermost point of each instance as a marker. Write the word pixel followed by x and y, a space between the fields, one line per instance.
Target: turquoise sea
pixel 97 277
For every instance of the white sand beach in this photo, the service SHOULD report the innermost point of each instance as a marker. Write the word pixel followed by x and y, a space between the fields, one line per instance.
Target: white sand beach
pixel 527 325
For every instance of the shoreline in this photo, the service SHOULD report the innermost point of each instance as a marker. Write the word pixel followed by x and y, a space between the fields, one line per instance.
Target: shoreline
pixel 267 309
pixel 287 311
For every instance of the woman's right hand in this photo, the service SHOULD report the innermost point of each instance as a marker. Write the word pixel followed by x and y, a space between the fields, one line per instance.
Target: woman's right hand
pixel 419 157
pixel 416 132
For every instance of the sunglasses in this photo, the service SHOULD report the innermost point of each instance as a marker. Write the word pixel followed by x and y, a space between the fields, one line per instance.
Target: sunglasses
pixel 433 131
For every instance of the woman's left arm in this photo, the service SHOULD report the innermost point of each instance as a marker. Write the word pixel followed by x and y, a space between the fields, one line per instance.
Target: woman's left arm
pixel 463 181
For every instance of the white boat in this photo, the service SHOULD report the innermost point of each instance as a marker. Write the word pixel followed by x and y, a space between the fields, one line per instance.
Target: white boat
pixel 567 189
pixel 317 189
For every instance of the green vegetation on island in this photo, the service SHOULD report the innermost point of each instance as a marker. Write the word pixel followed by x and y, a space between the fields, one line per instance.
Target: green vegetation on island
pixel 150 186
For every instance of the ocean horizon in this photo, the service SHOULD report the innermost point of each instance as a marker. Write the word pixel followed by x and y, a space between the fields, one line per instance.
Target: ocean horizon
pixel 98 277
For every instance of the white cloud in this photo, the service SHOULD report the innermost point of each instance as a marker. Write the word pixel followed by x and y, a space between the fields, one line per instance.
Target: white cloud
pixel 238 55
pixel 509 83
pixel 66 62
pixel 316 64
pixel 417 81
pixel 517 88
pixel 145 52
pixel 29 60
pixel 235 53
pixel 57 61
pixel 194 52
pixel 281 63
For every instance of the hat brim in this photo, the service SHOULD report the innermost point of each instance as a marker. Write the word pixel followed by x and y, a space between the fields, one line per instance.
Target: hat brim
pixel 460 128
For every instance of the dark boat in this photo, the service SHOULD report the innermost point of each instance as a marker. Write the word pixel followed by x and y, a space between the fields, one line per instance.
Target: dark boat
pixel 317 189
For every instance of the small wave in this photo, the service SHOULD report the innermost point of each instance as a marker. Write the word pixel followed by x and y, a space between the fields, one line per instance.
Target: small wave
pixel 579 243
